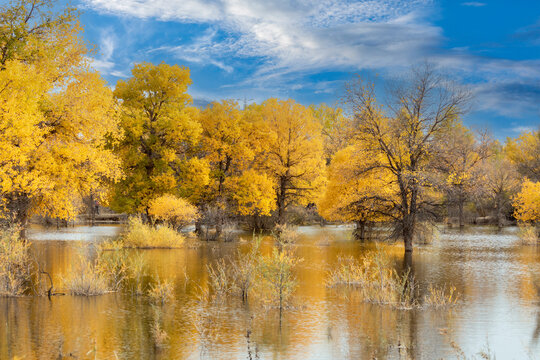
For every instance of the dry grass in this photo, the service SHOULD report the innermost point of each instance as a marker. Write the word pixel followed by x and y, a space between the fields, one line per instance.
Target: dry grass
pixel 379 283
pixel 143 236
pixel 87 279
pixel 16 267
pixel 528 234
pixel 286 234
pixel 441 296
pixel 221 280
pixel 159 335
pixel 161 292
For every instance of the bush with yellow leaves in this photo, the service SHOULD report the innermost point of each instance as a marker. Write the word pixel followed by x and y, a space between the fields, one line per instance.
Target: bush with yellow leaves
pixel 173 210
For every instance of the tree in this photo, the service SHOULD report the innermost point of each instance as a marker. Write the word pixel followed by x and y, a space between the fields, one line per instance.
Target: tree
pixel 458 154
pixel 421 109
pixel 55 114
pixel 159 133
pixel 293 152
pixel 527 202
pixel 353 198
pixel 499 183
pixel 525 153
pixel 336 129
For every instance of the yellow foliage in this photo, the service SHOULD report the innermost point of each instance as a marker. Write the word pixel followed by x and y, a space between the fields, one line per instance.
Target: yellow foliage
pixel 525 153
pixel 143 236
pixel 354 196
pixel 527 202
pixel 159 131
pixel 252 193
pixel 293 151
pixel 175 211
pixel 55 114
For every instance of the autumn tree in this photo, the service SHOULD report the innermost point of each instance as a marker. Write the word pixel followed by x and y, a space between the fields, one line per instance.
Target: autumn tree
pixel 404 132
pixel 527 203
pixel 159 131
pixel 353 195
pixel 55 113
pixel 458 154
pixel 524 151
pixel 499 182
pixel 293 157
pixel 336 130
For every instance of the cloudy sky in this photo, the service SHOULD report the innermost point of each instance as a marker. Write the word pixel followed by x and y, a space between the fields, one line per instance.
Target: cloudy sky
pixel 306 49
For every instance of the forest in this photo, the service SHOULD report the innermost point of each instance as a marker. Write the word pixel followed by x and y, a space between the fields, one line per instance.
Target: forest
pixel 396 167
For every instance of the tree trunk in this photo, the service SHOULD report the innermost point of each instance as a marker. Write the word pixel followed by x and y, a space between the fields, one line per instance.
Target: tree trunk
pixel 409 224
pixel 360 231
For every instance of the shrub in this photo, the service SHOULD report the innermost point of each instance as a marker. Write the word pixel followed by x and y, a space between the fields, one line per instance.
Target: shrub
pixel 161 292
pixel 16 267
pixel 528 234
pixel 159 335
pixel 221 280
pixel 377 281
pixel 88 280
pixel 527 202
pixel 286 234
pixel 140 235
pixel 175 211
pixel 277 276
pixel 441 296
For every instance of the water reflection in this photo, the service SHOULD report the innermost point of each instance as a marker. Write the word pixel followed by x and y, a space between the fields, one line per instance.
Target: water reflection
pixel 492 270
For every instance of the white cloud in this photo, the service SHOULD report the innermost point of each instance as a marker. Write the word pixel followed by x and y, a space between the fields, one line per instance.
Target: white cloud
pixel 289 39
pixel 473 4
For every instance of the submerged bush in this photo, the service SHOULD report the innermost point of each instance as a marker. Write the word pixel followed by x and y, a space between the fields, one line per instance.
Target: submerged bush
pixel 144 236
pixel 162 292
pixel 379 283
pixel 87 279
pixel 16 267
pixel 528 234
pixel 277 277
pixel 286 234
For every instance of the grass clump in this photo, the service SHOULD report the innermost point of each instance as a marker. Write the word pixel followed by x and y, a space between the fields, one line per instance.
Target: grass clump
pixel 379 283
pixel 441 296
pixel 88 279
pixel 16 267
pixel 159 335
pixel 145 236
pixel 277 277
pixel 161 292
pixel 286 234
pixel 528 234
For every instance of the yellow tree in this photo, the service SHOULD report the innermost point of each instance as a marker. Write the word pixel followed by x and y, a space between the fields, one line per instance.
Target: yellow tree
pixel 55 114
pixel 353 195
pixel 294 156
pixel 524 151
pixel 458 154
pixel 527 202
pixel 337 128
pixel 159 131
pixel 404 133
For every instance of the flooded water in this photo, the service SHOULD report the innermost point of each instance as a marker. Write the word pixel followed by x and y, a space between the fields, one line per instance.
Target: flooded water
pixel 491 270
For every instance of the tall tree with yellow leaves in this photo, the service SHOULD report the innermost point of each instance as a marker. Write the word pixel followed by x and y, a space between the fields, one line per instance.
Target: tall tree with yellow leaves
pixel 159 131
pixel 353 195
pixel 524 151
pixel 404 132
pixel 55 114
pixel 294 156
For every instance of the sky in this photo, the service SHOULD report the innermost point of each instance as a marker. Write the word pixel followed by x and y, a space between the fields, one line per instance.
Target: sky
pixel 251 50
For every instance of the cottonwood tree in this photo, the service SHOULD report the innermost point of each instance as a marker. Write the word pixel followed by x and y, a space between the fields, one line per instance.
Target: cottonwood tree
pixel 294 156
pixel 524 151
pixel 55 114
pixel 353 195
pixel 159 130
pixel 458 154
pixel 403 133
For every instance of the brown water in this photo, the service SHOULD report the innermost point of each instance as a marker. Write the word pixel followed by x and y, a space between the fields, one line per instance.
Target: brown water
pixel 492 271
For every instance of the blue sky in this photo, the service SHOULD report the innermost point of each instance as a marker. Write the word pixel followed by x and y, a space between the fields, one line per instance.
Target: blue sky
pixel 306 49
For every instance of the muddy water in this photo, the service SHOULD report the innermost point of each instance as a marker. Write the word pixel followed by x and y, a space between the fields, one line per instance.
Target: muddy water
pixel 491 270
